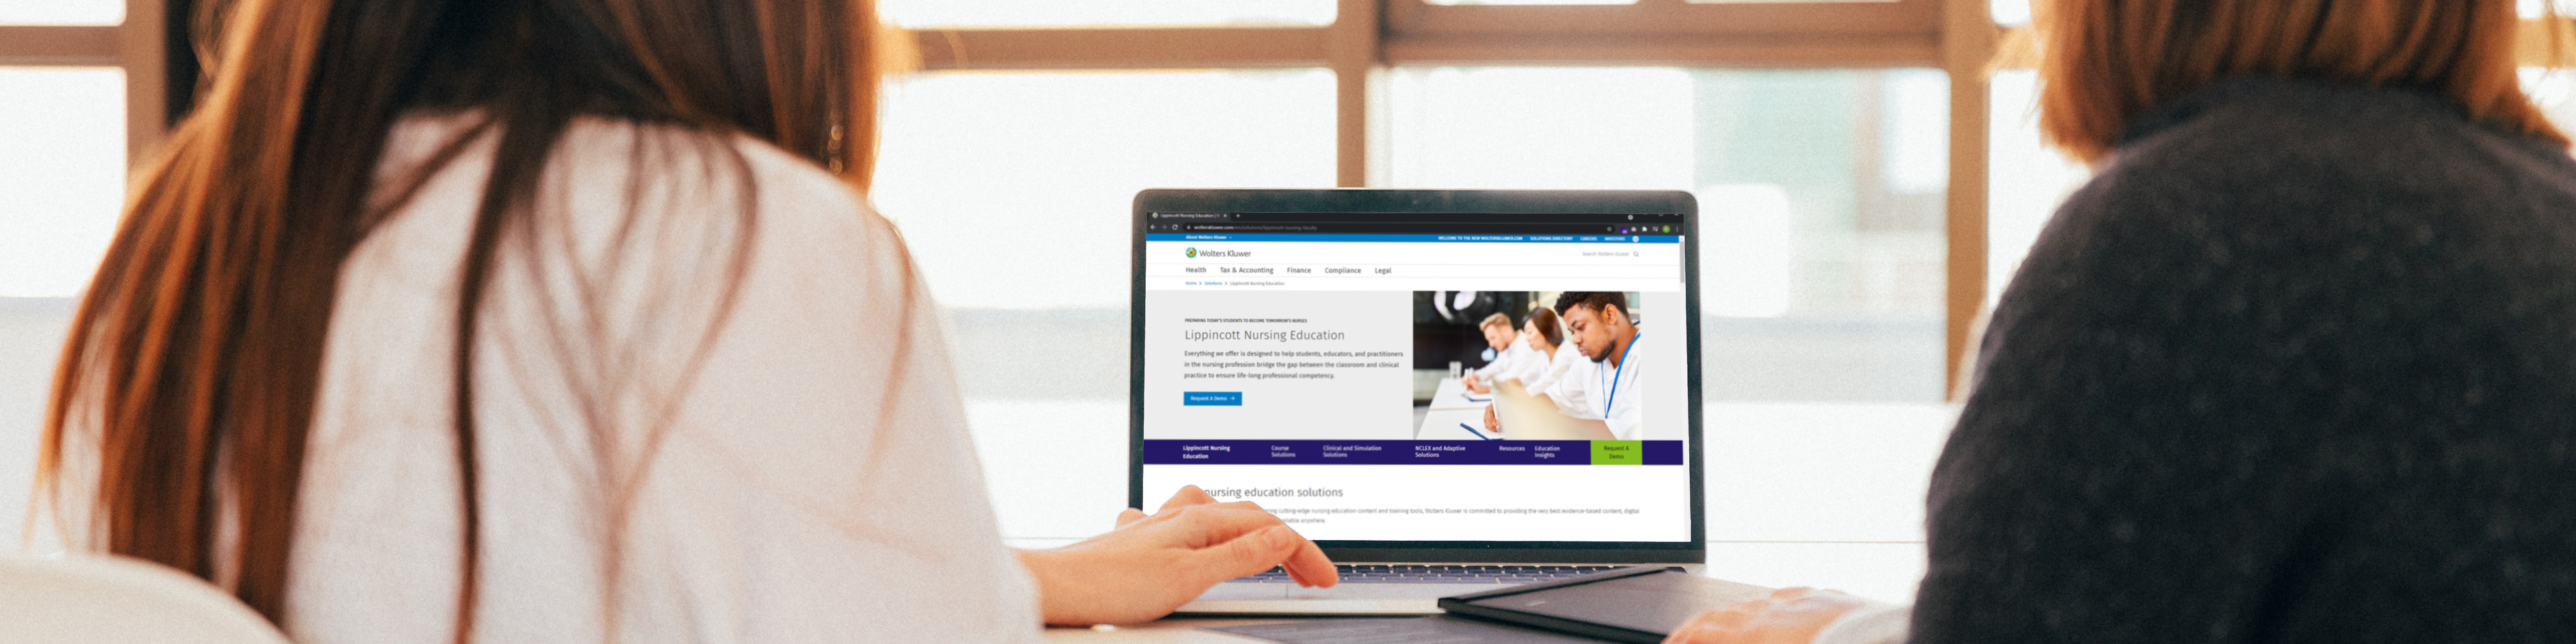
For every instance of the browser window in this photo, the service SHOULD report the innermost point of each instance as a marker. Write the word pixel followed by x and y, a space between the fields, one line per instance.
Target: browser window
pixel 1435 377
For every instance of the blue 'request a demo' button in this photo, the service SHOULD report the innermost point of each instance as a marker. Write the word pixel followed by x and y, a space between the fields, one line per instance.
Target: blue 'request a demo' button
pixel 1211 399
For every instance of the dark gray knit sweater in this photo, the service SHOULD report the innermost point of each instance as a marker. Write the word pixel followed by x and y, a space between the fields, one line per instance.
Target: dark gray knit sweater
pixel 2299 365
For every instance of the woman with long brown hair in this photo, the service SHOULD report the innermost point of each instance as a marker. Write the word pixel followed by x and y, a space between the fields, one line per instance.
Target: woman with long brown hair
pixel 2295 366
pixel 558 320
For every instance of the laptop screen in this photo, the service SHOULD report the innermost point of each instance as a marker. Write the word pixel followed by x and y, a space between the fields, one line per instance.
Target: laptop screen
pixel 1422 377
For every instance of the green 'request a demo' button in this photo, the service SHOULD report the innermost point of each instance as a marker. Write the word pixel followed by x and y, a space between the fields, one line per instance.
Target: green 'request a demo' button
pixel 1618 452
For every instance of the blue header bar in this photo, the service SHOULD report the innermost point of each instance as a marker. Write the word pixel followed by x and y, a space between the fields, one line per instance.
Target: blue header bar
pixel 1418 239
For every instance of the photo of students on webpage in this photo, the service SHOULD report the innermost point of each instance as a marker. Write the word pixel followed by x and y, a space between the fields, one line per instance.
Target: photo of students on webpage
pixel 1595 381
pixel 1466 343
pixel 1512 353
pixel 1536 355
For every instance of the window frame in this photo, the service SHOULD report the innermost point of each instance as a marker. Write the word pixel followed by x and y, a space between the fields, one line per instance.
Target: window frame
pixel 139 46
pixel 1368 37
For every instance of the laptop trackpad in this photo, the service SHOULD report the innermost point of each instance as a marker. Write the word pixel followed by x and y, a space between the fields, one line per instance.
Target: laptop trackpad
pixel 1387 591
pixel 1237 590
pixel 1345 599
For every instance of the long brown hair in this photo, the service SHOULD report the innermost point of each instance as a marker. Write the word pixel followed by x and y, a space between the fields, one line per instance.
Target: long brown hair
pixel 198 348
pixel 2104 62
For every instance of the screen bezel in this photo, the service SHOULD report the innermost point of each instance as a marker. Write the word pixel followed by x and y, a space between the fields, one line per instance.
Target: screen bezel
pixel 1353 200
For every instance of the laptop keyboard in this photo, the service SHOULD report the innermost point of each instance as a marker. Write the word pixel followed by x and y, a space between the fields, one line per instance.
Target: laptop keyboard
pixel 1439 574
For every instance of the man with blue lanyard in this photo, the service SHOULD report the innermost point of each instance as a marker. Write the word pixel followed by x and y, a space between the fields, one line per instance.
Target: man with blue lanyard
pixel 1604 385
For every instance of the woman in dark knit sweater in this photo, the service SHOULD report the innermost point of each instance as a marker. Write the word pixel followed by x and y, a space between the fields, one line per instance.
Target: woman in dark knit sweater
pixel 2298 365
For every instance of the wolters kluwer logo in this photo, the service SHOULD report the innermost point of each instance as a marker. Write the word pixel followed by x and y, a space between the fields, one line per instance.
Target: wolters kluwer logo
pixel 1193 253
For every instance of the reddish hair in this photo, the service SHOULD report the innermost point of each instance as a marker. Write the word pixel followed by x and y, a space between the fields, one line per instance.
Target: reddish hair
pixel 2105 62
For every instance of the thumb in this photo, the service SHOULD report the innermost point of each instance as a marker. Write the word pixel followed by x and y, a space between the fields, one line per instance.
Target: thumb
pixel 1129 515
pixel 1254 552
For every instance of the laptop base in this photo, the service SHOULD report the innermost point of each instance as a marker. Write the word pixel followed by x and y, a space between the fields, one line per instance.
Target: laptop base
pixel 1256 596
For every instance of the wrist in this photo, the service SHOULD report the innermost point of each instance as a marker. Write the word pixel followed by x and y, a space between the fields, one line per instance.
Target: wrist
pixel 1045 574
pixel 1869 623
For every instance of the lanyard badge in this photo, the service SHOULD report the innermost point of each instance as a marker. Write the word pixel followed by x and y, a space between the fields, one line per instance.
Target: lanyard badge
pixel 1625 356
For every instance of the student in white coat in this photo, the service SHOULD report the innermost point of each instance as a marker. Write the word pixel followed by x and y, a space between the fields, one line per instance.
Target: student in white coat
pixel 1603 386
pixel 1547 337
pixel 1512 354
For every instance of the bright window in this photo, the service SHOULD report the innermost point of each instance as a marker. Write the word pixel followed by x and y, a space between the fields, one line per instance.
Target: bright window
pixel 1061 13
pixel 1013 190
pixel 1821 194
pixel 62 12
pixel 1459 2
pixel 64 173
pixel 2012 12
pixel 2026 181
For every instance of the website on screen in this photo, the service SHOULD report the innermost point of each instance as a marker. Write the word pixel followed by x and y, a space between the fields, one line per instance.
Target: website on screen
pixel 1460 377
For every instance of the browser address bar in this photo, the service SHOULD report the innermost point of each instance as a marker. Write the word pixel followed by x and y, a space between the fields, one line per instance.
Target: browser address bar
pixel 1380 271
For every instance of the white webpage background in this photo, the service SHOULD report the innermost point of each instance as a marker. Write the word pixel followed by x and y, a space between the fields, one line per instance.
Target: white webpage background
pixel 1353 404
pixel 1458 502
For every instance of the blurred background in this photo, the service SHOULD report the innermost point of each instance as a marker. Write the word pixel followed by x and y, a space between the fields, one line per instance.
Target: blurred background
pixel 1869 173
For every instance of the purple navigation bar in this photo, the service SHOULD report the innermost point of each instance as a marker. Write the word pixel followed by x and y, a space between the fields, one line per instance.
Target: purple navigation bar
pixel 1493 452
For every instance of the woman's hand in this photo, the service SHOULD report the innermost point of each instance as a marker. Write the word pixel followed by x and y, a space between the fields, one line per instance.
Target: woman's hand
pixel 1788 616
pixel 1155 563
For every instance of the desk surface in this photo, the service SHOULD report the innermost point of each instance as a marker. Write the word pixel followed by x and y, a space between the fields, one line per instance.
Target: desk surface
pixel 1443 425
pixel 1168 631
pixel 1189 630
pixel 1452 394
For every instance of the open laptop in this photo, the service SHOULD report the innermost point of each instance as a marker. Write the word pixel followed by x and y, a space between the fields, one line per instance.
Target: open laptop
pixel 1305 349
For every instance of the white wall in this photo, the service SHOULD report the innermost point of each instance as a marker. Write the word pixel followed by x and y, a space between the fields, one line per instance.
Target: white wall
pixel 31 333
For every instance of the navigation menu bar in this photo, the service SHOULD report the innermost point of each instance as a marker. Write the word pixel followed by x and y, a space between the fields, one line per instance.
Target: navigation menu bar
pixel 1363 452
